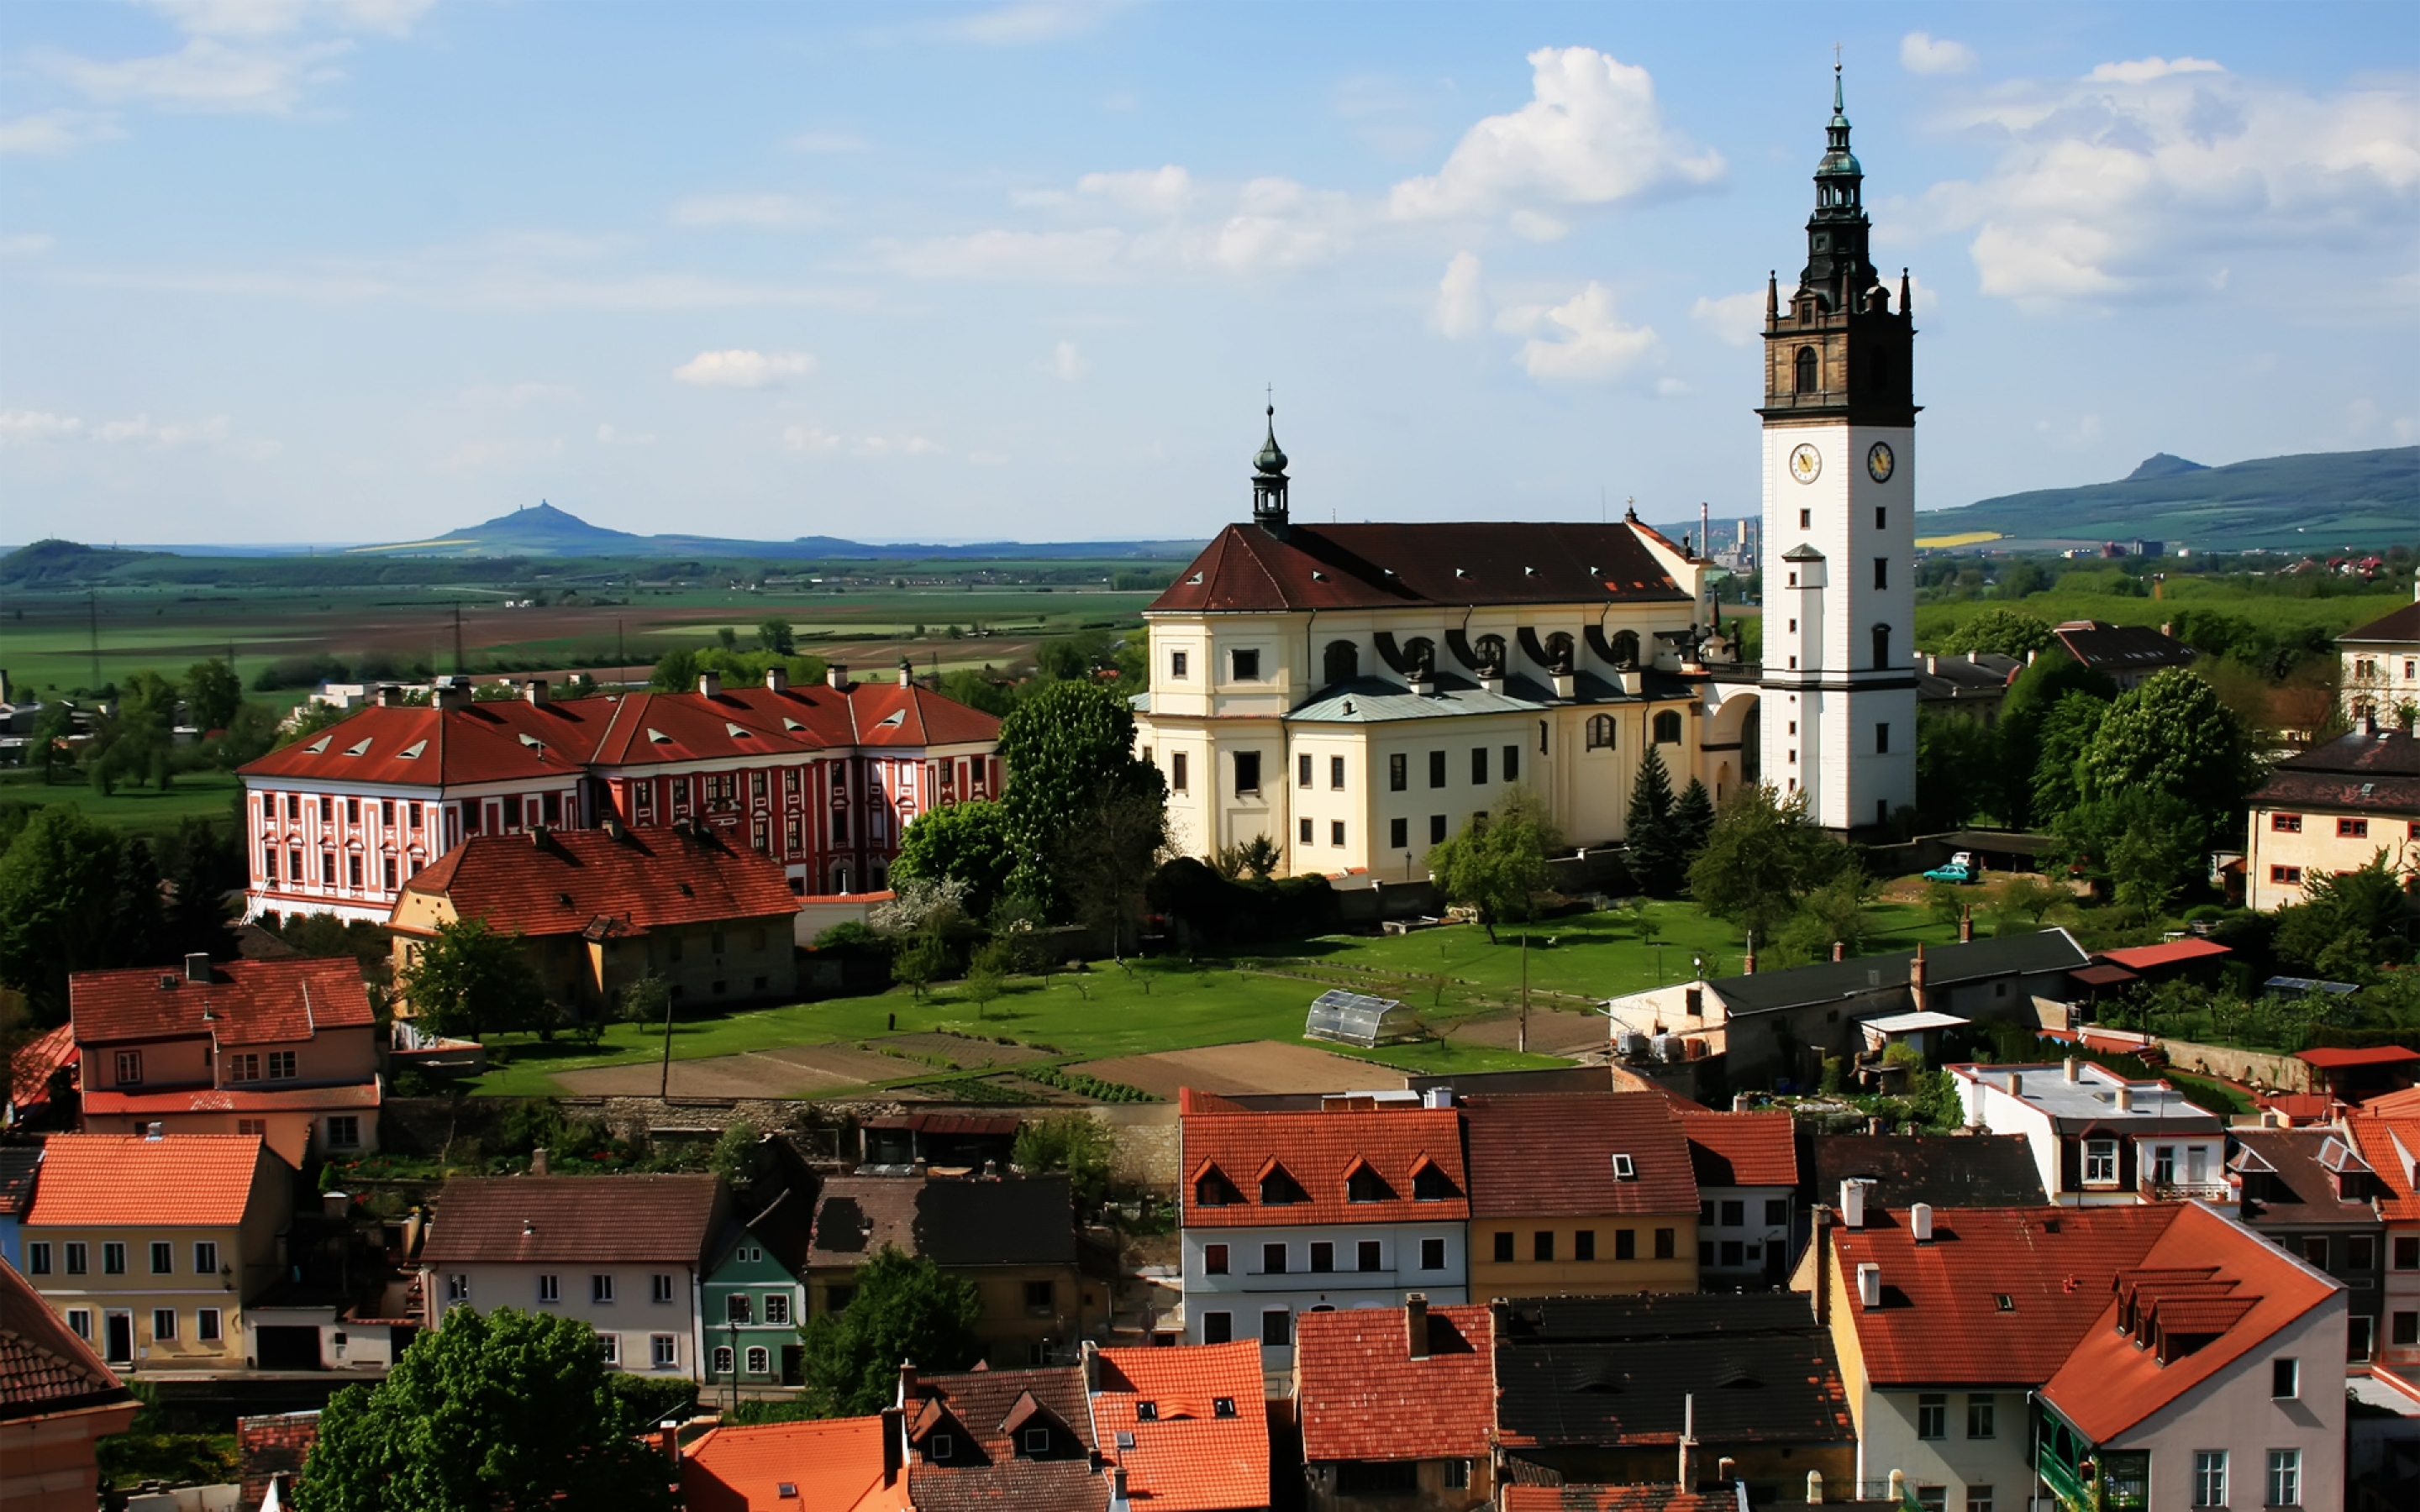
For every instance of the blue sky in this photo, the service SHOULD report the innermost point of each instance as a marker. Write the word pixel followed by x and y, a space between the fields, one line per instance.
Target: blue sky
pixel 282 271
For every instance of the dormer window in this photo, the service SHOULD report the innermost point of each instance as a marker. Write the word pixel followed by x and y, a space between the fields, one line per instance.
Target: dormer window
pixel 1222 1407
pixel 1625 1168
pixel 1211 1189
pixel 1037 1441
pixel 1430 1183
pixel 937 1447
pixel 1279 1189
pixel 1146 1412
pixel 1364 1184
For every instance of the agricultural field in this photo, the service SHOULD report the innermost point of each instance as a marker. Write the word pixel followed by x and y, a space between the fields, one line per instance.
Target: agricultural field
pixel 2097 595
pixel 146 811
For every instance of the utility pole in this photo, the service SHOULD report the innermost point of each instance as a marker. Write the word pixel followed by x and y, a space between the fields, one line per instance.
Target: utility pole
pixel 92 609
pixel 1524 1045
pixel 621 655
pixel 664 1092
pixel 458 637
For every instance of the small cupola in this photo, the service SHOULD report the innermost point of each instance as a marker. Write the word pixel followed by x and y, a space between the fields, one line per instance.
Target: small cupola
pixel 1269 482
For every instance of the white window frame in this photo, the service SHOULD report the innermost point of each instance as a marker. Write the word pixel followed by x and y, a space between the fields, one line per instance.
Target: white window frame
pixel 2099 1153
pixel 660 1287
pixel 663 1351
pixel 80 1322
pixel 760 1360
pixel 2285 1488
pixel 777 1303
pixel 600 1288
pixel 612 1343
pixel 206 1257
pixel 457 1287
pixel 723 1358
pixel 549 1288
pixel 167 1335
pixel 2209 1478
pixel 208 1325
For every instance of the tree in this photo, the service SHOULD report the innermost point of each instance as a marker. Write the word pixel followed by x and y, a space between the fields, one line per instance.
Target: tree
pixel 1069 750
pixel 2361 915
pixel 52 731
pixel 2172 734
pixel 2004 632
pixel 507 1410
pixel 2031 898
pixel 1763 856
pixel 59 906
pixel 1497 861
pixel 2053 675
pixel 977 690
pixel 965 842
pixel 902 1309
pixel 212 694
pixel 1832 914
pixel 2066 733
pixel 1692 820
pixel 739 1156
pixel 1257 856
pixel 1076 1143
pixel 1654 849
pixel 1957 770
pixel 2143 845
pixel 471 980
pixel 776 636
pixel 1105 858
pixel 921 958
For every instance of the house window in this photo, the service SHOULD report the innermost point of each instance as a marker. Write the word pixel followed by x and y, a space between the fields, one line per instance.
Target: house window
pixel 777 1308
pixel 1178 776
pixel 1664 1244
pixel 353 872
pixel 2100 1162
pixel 1302 830
pixel 2285 1379
pixel 2407 1252
pixel 1248 774
pixel 80 1320
pixel 457 1288
pixel 2353 828
pixel 1584 1244
pixel 164 1324
pixel 1432 1254
pixel 1979 1498
pixel 2314 1249
pixel 1479 766
pixel 2286 876
pixel 327 869
pixel 1178 663
pixel 345 1132
pixel 1273 1259
pixel 1667 728
pixel 37 1259
pixel 2286 824
pixel 412 815
pixel 1040 1297
pixel 1512 763
pixel 1503 1254
pixel 2284 1477
pixel 2210 1477
pixel 253 1127
pixel 130 1068
pixel 738 1309
pixel 1457 1475
pixel 660 1288
pixel 1277 1328
pixel 612 1343
pixel 758 1360
pixel 1541 1247
pixel 1734 1213
pixel 113 1258
pixel 163 1257
pixel 1247 666
pixel 1881 740
pixel 1626 1243
pixel 1437 768
pixel 1931 1499
pixel 1932 1416
pixel 2361 1338
pixel 1882 572
pixel 1213 1259
pixel 1302 769
pixel 1882 645
pixel 721 1366
pixel 1336 774
pixel 1336 832
pixel 1804 375
pixel 1399 834
pixel 1322 1255
pixel 1367 1255
pixel 664 1350
pixel 281 1065
pixel 1982 1417
pixel 78 1257
pixel 1399 772
pixel 1600 731
pixel 549 1289
pixel 206 1324
pixel 1776 1210
pixel 2164 1164
pixel 1437 829
pixel 389 871
pixel 2403 1327
pixel 600 1288
pixel 1218 1328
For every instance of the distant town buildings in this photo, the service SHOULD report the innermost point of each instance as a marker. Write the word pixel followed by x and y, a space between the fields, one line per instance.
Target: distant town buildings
pixel 2334 808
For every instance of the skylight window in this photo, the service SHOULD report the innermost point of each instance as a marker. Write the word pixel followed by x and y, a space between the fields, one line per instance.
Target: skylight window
pixel 1625 1168
pixel 1146 1412
pixel 733 731
pixel 792 724
pixel 659 736
pixel 2004 1301
pixel 411 753
pixel 318 746
pixel 358 747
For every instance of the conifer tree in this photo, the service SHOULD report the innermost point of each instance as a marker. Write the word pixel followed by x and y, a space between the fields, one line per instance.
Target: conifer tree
pixel 1655 862
pixel 1693 819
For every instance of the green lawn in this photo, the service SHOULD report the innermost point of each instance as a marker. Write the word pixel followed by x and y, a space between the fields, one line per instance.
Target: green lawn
pixel 138 811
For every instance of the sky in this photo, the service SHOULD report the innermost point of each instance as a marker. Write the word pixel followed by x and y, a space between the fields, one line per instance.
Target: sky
pixel 342 270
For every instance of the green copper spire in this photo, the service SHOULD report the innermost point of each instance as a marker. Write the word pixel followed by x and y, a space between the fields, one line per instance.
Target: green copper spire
pixel 1839 162
pixel 1272 461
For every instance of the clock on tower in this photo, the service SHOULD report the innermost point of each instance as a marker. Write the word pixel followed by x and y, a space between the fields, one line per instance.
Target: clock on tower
pixel 1838 700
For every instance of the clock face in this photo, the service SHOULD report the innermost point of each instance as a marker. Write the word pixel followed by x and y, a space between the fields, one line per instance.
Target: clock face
pixel 1806 463
pixel 1879 462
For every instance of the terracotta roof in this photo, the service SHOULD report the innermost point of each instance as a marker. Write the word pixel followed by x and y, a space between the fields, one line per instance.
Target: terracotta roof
pixel 246 1099
pixel 1207 1446
pixel 530 1220
pixel 44 1368
pixel 1946 1170
pixel 2404 1102
pixel 2122 648
pixel 36 1061
pixel 1246 570
pixel 2363 773
pixel 1941 1322
pixel 830 1465
pixel 1309 1159
pixel 1361 1396
pixel 2144 957
pixel 1028 1221
pixel 650 729
pixel 984 1414
pixel 244 1002
pixel 1554 1153
pixel 1743 1148
pixel 2110 1382
pixel 2333 1057
pixel 429 747
pixel 2390 1145
pixel 2402 627
pixel 181 1180
pixel 561 882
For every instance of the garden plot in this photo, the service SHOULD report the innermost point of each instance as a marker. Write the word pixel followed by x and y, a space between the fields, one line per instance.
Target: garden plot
pixel 1255 1066
pixel 1552 1031
pixel 791 1071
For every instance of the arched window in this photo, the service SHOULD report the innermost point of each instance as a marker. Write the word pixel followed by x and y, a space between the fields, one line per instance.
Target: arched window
pixel 1421 652
pixel 1882 645
pixel 1600 731
pixel 1343 661
pixel 1559 652
pixel 1806 370
pixel 1625 649
pixel 1667 728
pixel 1490 650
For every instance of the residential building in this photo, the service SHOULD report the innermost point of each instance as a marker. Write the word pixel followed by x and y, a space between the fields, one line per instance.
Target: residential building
pixel 2100 1137
pixel 2213 1377
pixel 1601 1390
pixel 1777 1026
pixel 18 1164
pixel 1396 1407
pixel 2331 808
pixel 755 1293
pixel 1972 686
pixel 1014 1240
pixel 151 1247
pixel 285 1050
pixel 624 1255
pixel 2125 654
pixel 2309 1191
pixel 1357 1204
pixel 1962 1170
pixel 834 1464
pixel 1945 1319
pixel 39 1072
pixel 823 779
pixel 595 909
pixel 270 1451
pixel 1579 1194
pixel 57 1399
pixel 987 1439
pixel 2391 1146
pixel 1747 1169
pixel 1183 1428
pixel 2356 1077
pixel 2381 674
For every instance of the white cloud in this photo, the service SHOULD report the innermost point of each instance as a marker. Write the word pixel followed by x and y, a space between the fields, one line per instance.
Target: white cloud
pixel 1460 308
pixel 1066 364
pixel 26 244
pixel 810 438
pixel 1580 340
pixel 1164 191
pixel 771 211
pixel 895 446
pixel 20 426
pixel 740 368
pixel 1529 225
pixel 515 395
pixel 1923 53
pixel 826 142
pixel 1591 134
pixel 206 75
pixel 608 436
pixel 1069 255
pixel 140 431
pixel 2143 71
pixel 270 17
pixel 1734 319
pixel 50 133
pixel 1028 22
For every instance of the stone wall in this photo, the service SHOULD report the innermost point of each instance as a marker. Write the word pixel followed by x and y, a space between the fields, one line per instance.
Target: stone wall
pixel 2269 1069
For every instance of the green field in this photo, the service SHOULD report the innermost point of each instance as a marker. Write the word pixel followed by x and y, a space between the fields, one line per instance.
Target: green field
pixel 137 811
pixel 2079 595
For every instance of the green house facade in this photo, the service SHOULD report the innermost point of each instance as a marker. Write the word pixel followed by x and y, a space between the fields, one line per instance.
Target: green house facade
pixel 756 1300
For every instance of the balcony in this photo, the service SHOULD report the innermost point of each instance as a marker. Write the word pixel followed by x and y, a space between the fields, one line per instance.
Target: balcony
pixel 2155 1190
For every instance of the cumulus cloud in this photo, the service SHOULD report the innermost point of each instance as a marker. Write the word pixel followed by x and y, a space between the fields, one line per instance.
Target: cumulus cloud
pixel 1274 225
pixel 1581 340
pixel 50 133
pixel 1736 319
pixel 270 17
pixel 1592 134
pixel 768 211
pixel 18 427
pixel 239 56
pixel 2143 71
pixel 1028 22
pixel 1461 309
pixel 878 446
pixel 140 431
pixel 739 368
pixel 1163 190
pixel 1923 53
pixel 1066 364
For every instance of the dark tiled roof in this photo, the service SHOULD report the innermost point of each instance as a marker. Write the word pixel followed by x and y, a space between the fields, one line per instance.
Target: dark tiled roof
pixel 1552 1154
pixel 2402 627
pixel 529 1220
pixel 2050 949
pixel 244 1002
pixel 44 1368
pixel 980 1411
pixel 1963 1171
pixel 1613 1371
pixel 2122 648
pixel 1246 570
pixel 2290 1177
pixel 2378 773
pixel 563 882
pixel 18 1165
pixel 1028 1221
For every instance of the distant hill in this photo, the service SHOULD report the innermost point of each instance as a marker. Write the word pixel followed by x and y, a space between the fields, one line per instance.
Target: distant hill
pixel 54 562
pixel 2317 501
pixel 545 531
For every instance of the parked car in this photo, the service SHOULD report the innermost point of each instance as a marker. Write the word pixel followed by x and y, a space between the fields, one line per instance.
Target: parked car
pixel 1962 868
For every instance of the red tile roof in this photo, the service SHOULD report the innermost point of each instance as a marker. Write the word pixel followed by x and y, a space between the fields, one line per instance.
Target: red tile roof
pixel 424 747
pixel 829 1465
pixel 1552 1154
pixel 2110 1382
pixel 527 1219
pixel 981 1413
pixel 36 1061
pixel 1941 1322
pixel 247 1099
pixel 1360 1395
pixel 182 1180
pixel 244 1002
pixel 1743 1148
pixel 44 1368
pixel 1246 570
pixel 2404 1103
pixel 565 881
pixel 2144 957
pixel 1321 1152
pixel 2332 1057
pixel 652 727
pixel 1656 1498
pixel 1189 1457
pixel 2390 1145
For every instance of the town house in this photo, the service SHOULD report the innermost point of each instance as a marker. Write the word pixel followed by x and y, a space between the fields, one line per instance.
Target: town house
pixel 2335 808
pixel 985 1439
pixel 1183 1428
pixel 1579 1194
pixel 150 1246
pixel 1397 1407
pixel 1355 1204
pixel 757 1294
pixel 2309 1191
pixel 622 1254
pixel 2391 1147
pixel 284 1050
pixel 2381 664
pixel 2100 1138
pixel 1747 1169
pixel 833 1464
pixel 57 1401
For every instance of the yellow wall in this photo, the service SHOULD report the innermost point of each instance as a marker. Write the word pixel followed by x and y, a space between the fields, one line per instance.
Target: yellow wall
pixel 1564 1276
pixel 2319 850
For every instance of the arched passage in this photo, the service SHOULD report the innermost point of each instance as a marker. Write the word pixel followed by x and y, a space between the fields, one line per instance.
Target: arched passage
pixel 1730 754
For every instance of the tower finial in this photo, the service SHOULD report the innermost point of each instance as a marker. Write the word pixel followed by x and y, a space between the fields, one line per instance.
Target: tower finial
pixel 1269 475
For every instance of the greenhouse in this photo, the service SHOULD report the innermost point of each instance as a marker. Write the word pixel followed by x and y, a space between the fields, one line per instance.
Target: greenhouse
pixel 1352 1018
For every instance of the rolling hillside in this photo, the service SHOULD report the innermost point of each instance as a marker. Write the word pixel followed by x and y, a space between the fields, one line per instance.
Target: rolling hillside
pixel 545 531
pixel 2318 502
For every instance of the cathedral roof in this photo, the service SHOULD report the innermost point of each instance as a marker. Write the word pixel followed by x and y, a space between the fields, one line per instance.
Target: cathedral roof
pixel 1249 569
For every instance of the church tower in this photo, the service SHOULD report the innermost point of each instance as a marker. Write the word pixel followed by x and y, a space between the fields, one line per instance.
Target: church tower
pixel 1839 547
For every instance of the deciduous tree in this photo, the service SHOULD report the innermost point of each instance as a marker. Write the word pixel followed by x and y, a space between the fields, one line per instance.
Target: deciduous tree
pixel 2174 735
pixel 966 843
pixel 60 909
pixel 212 694
pixel 471 980
pixel 1069 751
pixel 1497 863
pixel 2005 632
pixel 1762 857
pixel 2065 733
pixel 904 1309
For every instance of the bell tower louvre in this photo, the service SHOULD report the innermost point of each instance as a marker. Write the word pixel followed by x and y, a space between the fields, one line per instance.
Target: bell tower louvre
pixel 1837 707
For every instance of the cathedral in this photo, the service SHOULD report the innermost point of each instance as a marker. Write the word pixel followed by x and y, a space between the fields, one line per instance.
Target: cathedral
pixel 1356 693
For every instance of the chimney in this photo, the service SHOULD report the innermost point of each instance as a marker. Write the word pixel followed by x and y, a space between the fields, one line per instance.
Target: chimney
pixel 2125 1098
pixel 1967 924
pixel 1118 1501
pixel 1822 1266
pixel 450 693
pixel 1898 1487
pixel 1853 1204
pixel 336 1206
pixel 197 967
pixel 1738 1102
pixel 2071 1076
pixel 1874 1125
pixel 1088 1355
pixel 2016 1084
pixel 1814 1488
pixel 1839 950
pixel 1916 976
pixel 1416 1325
pixel 907 1382
pixel 906 672
pixel 535 690
pixel 668 1441
pixel 388 696
pixel 777 679
pixel 1870 1285
pixel 894 1428
pixel 1689 1442
pixel 538 1161
pixel 1725 1471
pixel 836 676
pixel 709 684
pixel 1919 1222
pixel 612 825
